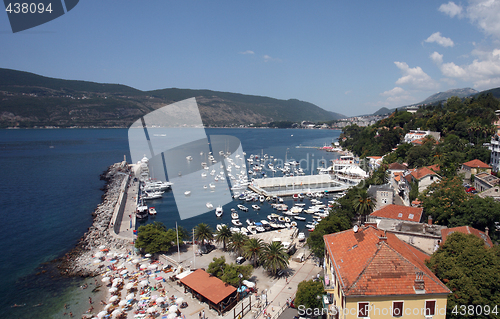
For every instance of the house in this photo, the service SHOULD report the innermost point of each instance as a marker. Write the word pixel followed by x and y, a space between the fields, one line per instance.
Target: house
pixel 484 181
pixel 468 230
pixel 383 195
pixel 424 176
pixel 372 274
pixel 473 167
pixel 375 161
pixel 399 212
pixel 419 134
pixel 495 152
pixel 492 192
pixel 397 172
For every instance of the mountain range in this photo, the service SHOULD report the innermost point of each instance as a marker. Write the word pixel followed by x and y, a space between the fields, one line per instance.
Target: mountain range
pixel 31 100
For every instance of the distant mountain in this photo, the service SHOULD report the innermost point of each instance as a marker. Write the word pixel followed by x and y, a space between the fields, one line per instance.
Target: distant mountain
pixel 442 96
pixel 337 116
pixel 495 92
pixel 383 111
pixel 28 100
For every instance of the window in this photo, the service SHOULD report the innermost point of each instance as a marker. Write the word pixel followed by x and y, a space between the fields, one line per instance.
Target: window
pixel 384 200
pixel 430 307
pixel 363 309
pixel 432 178
pixel 397 308
pixel 410 216
pixel 400 215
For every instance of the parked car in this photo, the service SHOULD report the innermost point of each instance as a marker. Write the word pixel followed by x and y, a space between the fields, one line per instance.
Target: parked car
pixel 240 260
pixel 207 248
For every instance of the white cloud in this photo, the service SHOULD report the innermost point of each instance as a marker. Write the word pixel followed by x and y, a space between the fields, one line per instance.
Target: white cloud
pixel 451 9
pixel 437 58
pixel 395 91
pixel 485 13
pixel 443 41
pixel 268 58
pixel 415 77
pixel 247 52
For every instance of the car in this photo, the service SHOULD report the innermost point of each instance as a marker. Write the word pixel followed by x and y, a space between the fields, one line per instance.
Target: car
pixel 207 248
pixel 471 190
pixel 240 260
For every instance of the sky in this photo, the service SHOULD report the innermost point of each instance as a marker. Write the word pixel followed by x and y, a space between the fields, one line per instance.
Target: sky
pixel 350 57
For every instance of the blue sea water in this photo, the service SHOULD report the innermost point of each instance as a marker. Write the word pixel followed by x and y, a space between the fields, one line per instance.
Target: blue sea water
pixel 50 186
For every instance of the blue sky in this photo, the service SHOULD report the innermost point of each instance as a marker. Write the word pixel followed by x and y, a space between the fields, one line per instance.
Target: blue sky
pixel 351 57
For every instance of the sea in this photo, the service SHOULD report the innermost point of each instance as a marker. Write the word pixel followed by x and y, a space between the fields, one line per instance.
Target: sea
pixel 51 186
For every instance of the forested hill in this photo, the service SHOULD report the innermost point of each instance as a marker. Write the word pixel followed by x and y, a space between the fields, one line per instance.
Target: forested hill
pixel 29 100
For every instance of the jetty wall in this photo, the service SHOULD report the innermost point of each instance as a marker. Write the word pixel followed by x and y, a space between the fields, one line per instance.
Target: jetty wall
pixel 116 219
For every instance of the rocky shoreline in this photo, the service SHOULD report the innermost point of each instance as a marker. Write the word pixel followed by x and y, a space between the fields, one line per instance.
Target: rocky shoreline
pixel 78 261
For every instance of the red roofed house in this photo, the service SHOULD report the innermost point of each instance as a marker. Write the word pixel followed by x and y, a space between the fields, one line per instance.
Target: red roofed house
pixel 467 230
pixel 473 167
pixel 406 213
pixel 205 287
pixel 425 177
pixel 373 274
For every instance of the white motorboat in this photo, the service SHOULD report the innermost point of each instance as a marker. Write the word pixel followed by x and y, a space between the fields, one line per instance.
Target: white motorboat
pixel 256 207
pixel 189 158
pixel 252 229
pixel 155 195
pixel 234 229
pixel 212 186
pixel 152 211
pixel 250 222
pixel 187 193
pixel 243 208
pixel 142 212
pixel 301 237
pixel 261 198
pixel 260 229
pixel 287 219
pixel 293 224
pixel 209 205
pixel 236 222
pixel 219 211
pixel 281 218
pixel 219 226
pixel 205 186
pixel 234 215
pixel 299 218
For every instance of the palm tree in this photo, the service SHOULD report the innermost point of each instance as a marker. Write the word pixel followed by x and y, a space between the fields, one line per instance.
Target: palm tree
pixel 363 204
pixel 274 257
pixel 223 235
pixel 237 243
pixel 203 233
pixel 253 249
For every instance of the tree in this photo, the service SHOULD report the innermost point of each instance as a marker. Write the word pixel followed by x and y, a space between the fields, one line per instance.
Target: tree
pixel 334 223
pixel 274 257
pixel 253 249
pixel 223 235
pixel 237 243
pixel 363 204
pixel 183 233
pixel 307 294
pixel 216 267
pixel 203 232
pixel 229 273
pixel 470 270
pixel 155 238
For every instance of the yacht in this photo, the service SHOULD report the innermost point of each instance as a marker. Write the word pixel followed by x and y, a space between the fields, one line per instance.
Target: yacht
pixel 152 211
pixel 256 207
pixel 299 218
pixel 236 222
pixel 142 212
pixel 212 186
pixel 189 158
pixel 210 206
pixel 219 211
pixel 187 193
pixel 234 215
pixel 243 208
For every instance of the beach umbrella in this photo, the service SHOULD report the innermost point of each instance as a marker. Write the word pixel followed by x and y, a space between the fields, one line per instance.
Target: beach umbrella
pixel 98 254
pixel 123 272
pixel 144 283
pixel 179 300
pixel 130 296
pixel 144 266
pixel 116 313
pixel 152 267
pixel 130 285
pixel 160 299
pixel 171 316
pixel 102 314
pixel 147 255
pixel 105 279
pixel 110 254
pixel 108 306
pixel 113 298
pixel 113 289
pixel 173 309
pixel 135 261
pixel 151 310
pixel 102 247
pixel 122 302
pixel 96 261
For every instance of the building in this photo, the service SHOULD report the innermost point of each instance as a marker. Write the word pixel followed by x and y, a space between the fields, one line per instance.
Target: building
pixel 492 192
pixel 383 195
pixel 398 212
pixel 468 230
pixel 485 181
pixel 372 274
pixel 424 176
pixel 473 167
pixel 495 152
pixel 419 134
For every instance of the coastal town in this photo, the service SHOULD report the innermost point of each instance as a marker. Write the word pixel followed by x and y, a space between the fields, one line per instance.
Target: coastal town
pixel 378 223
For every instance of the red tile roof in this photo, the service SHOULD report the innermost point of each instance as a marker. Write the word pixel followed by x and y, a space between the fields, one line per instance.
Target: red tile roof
pixel 467 230
pixel 420 173
pixel 397 166
pixel 476 164
pixel 369 265
pixel 434 168
pixel 399 212
pixel 375 157
pixel 208 286
pixel 418 141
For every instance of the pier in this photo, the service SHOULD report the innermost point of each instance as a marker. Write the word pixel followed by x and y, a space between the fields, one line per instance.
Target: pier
pixel 287 186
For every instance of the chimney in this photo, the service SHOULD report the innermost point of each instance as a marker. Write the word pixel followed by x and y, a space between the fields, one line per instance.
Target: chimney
pixel 419 281
pixel 429 220
pixel 486 230
pixel 382 238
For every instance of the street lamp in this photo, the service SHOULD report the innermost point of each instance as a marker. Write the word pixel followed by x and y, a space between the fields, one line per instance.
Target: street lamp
pixel 239 290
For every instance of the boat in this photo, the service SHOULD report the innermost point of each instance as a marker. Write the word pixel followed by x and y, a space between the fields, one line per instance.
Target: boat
pixel 189 158
pixel 243 208
pixel 260 229
pixel 236 222
pixel 205 187
pixel 219 226
pixel 219 211
pixel 287 219
pixel 252 229
pixel 256 207
pixel 234 229
pixel 299 218
pixel 152 211
pixel 234 215
pixel 295 196
pixel 301 237
pixel 209 205
pixel 155 195
pixel 281 218
pixel 142 212
pixel 261 198
pixel 244 231
pixel 280 199
pixel 293 224
pixel 203 174
pixel 212 186
pixel 250 222
pixel 187 193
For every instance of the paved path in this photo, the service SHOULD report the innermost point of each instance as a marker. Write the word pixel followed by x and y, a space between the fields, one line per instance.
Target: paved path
pixel 127 224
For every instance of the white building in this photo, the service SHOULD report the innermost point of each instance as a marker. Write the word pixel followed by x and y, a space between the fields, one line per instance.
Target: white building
pixel 418 134
pixel 495 153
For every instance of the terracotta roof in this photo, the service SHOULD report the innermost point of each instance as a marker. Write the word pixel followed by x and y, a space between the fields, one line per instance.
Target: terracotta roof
pixel 420 173
pixel 369 265
pixel 375 157
pixel 397 166
pixel 434 168
pixel 476 164
pixel 397 176
pixel 418 141
pixel 208 286
pixel 467 230
pixel 412 214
